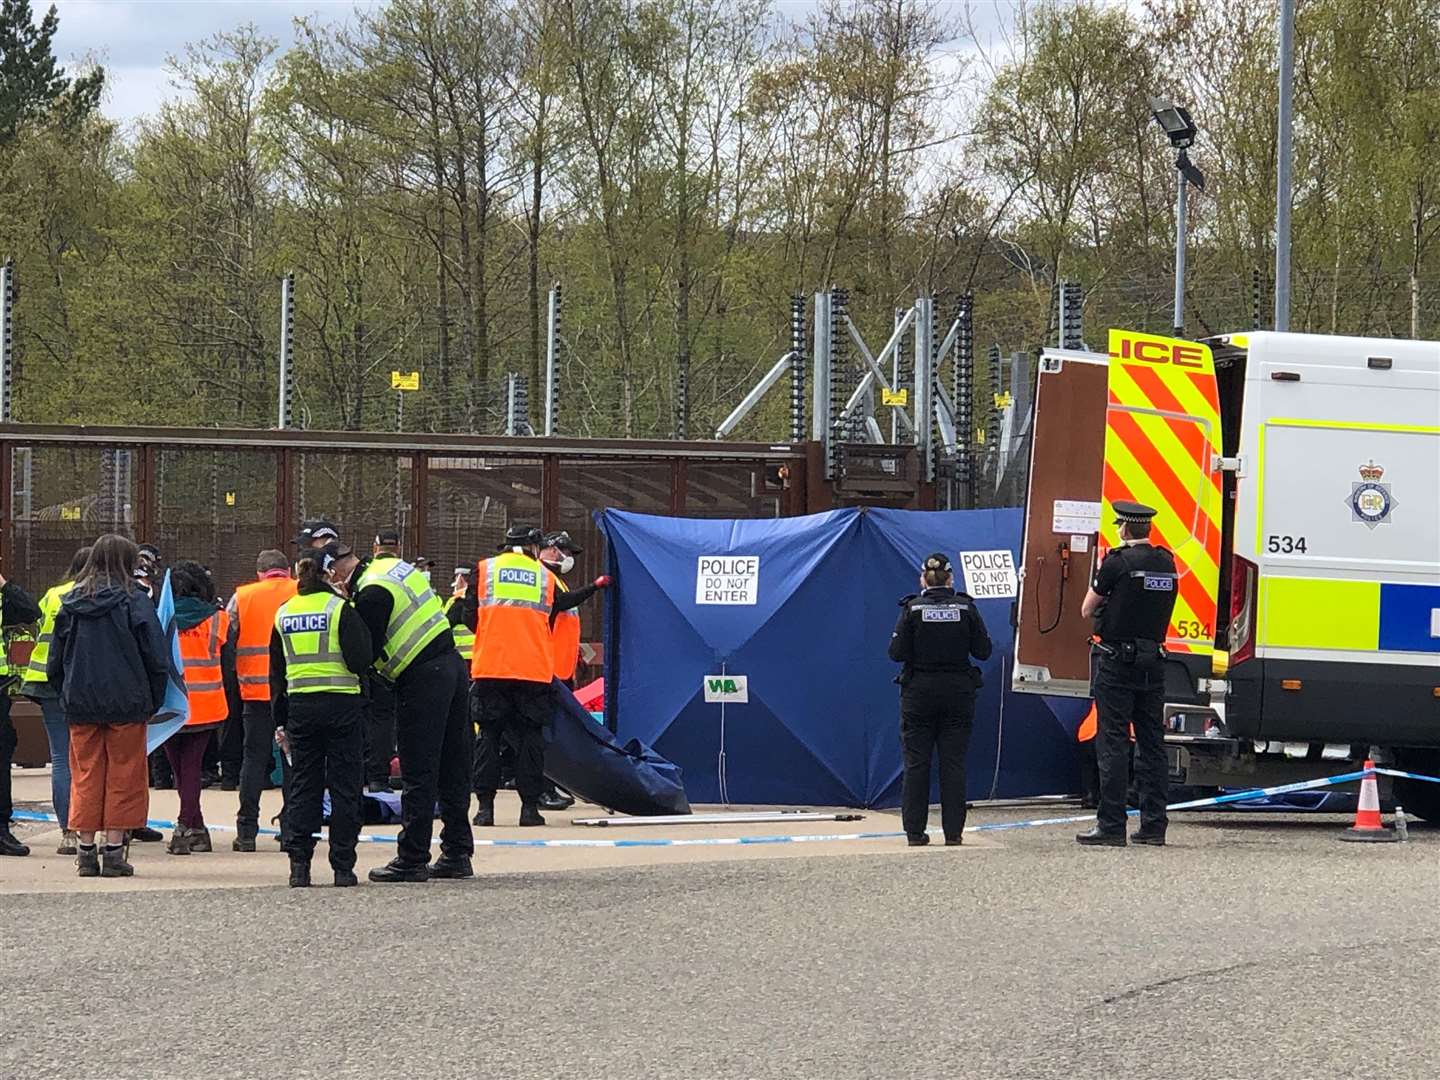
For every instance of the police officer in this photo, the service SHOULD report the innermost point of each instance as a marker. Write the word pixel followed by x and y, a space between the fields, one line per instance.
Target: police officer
pixel 1131 599
pixel 412 646
pixel 938 632
pixel 510 605
pixel 319 649
pixel 380 712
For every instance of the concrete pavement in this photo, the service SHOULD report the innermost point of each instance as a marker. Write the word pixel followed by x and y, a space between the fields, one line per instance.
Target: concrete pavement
pixel 1251 947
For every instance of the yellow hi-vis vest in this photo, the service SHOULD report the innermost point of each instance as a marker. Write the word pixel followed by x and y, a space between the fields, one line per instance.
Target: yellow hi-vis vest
pixel 309 627
pixel 35 671
pixel 463 635
pixel 416 617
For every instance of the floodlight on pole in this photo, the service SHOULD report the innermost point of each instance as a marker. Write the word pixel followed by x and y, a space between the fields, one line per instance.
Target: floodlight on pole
pixel 1180 129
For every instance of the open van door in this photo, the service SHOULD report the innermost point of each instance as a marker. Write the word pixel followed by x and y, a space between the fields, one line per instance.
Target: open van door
pixel 1163 448
pixel 1062 524
pixel 1141 424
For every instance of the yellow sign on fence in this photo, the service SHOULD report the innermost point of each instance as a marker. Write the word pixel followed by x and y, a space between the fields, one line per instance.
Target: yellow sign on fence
pixel 1004 400
pixel 69 513
pixel 229 498
pixel 899 398
pixel 404 380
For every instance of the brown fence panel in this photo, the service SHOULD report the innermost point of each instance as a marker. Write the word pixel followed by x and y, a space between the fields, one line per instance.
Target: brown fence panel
pixel 359 491
pixel 216 506
pixel 63 497
pixel 471 502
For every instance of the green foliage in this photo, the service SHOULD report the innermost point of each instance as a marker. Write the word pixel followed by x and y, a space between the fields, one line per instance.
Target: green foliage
pixel 681 167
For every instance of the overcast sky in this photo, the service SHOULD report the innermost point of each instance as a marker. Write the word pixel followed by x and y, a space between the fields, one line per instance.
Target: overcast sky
pixel 133 38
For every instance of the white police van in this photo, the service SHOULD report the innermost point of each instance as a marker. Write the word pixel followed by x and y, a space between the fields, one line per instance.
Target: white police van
pixel 1325 641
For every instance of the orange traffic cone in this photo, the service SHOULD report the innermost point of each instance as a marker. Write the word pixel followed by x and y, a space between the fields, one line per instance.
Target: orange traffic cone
pixel 1368 826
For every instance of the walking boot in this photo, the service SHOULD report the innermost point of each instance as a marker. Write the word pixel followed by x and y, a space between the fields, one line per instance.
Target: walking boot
pixel 113 862
pixel 485 816
pixel 346 879
pixel 396 872
pixel 529 815
pixel 199 840
pixel 918 839
pixel 9 845
pixel 179 841
pixel 1148 838
pixel 87 860
pixel 1098 837
pixel 68 840
pixel 146 835
pixel 243 843
pixel 452 867
pixel 299 874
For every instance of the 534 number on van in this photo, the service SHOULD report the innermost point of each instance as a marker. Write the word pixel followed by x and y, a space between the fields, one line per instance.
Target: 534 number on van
pixel 1287 545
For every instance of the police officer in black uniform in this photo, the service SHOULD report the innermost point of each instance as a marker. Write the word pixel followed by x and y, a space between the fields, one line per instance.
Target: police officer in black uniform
pixel 1131 599
pixel 938 632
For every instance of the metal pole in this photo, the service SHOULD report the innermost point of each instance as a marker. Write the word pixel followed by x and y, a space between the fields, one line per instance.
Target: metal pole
pixel 1180 251
pixel 7 337
pixel 924 409
pixel 287 342
pixel 797 368
pixel 1285 154
pixel 820 390
pixel 895 375
pixel 551 381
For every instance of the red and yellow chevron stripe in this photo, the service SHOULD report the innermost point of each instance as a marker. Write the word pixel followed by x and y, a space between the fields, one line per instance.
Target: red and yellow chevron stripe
pixel 1162 432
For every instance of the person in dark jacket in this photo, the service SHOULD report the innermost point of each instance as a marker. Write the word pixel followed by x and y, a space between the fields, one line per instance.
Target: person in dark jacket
pixel 16 609
pixel 110 662
pixel 938 631
pixel 318 705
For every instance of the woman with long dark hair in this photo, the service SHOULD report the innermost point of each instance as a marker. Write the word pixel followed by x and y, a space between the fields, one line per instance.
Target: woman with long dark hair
pixel 207 653
pixel 110 663
pixel 319 649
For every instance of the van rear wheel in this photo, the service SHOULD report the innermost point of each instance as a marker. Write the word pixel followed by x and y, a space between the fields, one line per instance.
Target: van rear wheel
pixel 1420 797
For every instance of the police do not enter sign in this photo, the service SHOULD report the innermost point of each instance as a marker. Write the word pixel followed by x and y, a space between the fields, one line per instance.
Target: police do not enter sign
pixel 727 579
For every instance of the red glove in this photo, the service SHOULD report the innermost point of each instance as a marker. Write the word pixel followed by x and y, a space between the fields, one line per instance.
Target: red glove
pixel 603 581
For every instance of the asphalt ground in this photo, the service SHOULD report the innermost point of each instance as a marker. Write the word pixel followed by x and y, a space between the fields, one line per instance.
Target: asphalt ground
pixel 1252 946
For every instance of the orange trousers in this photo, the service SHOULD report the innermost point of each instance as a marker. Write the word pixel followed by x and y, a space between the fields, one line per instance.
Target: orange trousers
pixel 109 777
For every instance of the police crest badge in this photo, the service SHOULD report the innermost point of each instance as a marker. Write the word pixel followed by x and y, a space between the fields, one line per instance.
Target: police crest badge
pixel 1371 501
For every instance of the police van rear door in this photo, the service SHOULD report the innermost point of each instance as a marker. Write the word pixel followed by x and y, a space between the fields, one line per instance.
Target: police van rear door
pixel 1162 448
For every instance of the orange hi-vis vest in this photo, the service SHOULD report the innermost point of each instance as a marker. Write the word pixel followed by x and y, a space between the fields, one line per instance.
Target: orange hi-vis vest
pixel 566 635
pixel 256 604
pixel 514 594
pixel 204 682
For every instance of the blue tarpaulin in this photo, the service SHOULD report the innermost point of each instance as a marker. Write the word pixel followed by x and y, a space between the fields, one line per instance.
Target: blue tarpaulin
pixel 821 726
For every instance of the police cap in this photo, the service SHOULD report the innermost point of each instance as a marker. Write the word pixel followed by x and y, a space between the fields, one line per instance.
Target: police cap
pixel 387 537
pixel 316 529
pixel 522 536
pixel 1133 513
pixel 561 541
pixel 938 561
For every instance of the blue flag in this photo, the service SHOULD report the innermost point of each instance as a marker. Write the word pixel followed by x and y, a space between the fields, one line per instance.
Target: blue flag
pixel 175 709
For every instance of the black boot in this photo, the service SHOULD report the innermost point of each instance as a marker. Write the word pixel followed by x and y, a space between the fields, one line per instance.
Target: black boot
pixel 9 845
pixel 146 835
pixel 113 862
pixel 1098 837
pixel 243 843
pixel 529 815
pixel 554 800
pixel 395 872
pixel 485 816
pixel 299 874
pixel 87 861
pixel 346 879
pixel 448 867
pixel 918 839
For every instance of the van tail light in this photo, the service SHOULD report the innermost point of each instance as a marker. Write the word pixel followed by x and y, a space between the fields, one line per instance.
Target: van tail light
pixel 1244 590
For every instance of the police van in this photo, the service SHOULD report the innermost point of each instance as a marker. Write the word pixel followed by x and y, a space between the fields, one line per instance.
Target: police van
pixel 1297 479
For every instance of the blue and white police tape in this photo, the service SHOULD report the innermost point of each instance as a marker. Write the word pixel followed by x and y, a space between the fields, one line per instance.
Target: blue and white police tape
pixel 816 838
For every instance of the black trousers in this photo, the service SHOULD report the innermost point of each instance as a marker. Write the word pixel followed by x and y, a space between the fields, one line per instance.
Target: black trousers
pixel 259 745
pixel 937 711
pixel 327 745
pixel 514 711
pixel 379 733
pixel 436 741
pixel 1127 694
pixel 8 742
pixel 232 746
